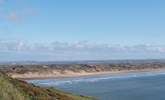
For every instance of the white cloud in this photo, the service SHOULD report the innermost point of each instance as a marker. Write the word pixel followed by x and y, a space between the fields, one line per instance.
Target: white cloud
pixel 78 46
pixel 12 14
pixel 77 51
pixel 14 46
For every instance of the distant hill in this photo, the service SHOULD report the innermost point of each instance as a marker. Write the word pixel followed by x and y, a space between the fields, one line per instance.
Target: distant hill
pixel 133 61
pixel 13 89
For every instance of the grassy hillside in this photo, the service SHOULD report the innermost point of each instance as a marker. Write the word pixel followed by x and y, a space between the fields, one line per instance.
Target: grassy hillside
pixel 13 89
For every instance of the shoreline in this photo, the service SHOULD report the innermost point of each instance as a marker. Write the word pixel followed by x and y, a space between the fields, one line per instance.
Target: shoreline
pixel 42 76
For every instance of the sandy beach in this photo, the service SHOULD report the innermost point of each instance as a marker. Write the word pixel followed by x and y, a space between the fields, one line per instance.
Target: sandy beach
pixel 69 74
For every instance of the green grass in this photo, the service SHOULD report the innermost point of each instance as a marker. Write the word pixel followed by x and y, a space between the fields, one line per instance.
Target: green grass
pixel 13 89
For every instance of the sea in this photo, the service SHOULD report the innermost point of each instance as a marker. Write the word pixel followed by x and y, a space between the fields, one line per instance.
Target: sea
pixel 131 86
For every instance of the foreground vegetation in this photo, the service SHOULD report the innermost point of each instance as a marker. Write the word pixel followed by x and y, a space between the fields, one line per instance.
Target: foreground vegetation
pixel 13 89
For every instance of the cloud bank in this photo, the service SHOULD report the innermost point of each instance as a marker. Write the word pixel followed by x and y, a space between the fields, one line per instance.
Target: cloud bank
pixel 15 45
pixel 21 50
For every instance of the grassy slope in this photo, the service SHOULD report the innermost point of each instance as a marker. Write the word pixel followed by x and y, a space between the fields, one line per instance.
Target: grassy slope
pixel 12 89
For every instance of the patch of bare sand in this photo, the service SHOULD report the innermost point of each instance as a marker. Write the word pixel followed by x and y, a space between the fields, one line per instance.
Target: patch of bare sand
pixel 66 74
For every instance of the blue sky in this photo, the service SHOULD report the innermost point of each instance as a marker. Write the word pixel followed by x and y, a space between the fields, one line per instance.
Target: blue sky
pixel 73 29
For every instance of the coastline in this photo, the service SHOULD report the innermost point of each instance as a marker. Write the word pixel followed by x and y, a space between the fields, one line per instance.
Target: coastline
pixel 43 76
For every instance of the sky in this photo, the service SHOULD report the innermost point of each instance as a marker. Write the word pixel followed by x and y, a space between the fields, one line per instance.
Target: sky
pixel 53 30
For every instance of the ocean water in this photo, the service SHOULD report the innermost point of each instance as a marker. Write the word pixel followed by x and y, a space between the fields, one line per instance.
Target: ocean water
pixel 132 86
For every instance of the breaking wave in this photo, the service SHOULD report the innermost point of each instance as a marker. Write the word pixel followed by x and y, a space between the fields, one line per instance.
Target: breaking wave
pixel 57 82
